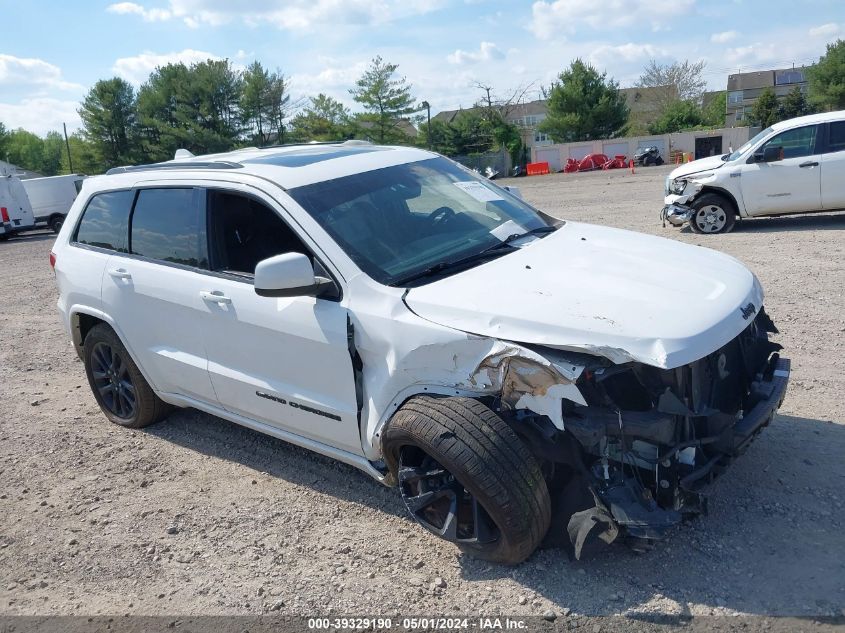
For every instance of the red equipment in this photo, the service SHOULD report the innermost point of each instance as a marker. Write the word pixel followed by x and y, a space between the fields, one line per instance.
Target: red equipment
pixel 537 169
pixel 590 162
pixel 617 162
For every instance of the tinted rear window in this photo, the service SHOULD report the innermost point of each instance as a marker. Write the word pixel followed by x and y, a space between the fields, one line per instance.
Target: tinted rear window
pixel 105 220
pixel 166 225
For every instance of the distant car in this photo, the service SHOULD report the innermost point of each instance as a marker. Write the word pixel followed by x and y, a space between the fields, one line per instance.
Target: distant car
pixel 398 312
pixel 795 166
pixel 646 156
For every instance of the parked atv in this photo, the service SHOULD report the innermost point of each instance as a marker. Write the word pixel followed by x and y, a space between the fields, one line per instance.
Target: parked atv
pixel 646 156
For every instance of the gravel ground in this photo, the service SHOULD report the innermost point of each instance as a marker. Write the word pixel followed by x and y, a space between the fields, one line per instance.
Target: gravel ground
pixel 199 516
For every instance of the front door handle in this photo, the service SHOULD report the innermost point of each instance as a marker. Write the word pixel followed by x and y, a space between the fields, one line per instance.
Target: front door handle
pixel 120 273
pixel 809 163
pixel 214 295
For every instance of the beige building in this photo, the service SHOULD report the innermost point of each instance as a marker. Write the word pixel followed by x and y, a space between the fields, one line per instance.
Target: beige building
pixel 646 105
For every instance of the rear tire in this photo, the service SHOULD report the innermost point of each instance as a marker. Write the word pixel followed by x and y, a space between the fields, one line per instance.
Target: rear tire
pixel 56 222
pixel 117 384
pixel 658 161
pixel 714 213
pixel 461 460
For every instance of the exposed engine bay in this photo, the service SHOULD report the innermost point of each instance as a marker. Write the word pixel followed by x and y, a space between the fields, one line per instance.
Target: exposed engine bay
pixel 632 462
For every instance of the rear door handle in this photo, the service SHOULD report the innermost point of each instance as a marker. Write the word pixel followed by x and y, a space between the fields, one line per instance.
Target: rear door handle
pixel 214 295
pixel 120 273
pixel 809 163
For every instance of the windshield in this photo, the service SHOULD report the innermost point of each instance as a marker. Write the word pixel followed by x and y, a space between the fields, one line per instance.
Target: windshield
pixel 749 144
pixel 398 221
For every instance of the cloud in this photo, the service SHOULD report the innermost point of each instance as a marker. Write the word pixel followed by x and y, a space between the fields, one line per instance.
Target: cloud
pixel 723 37
pixel 136 69
pixel 626 52
pixel 21 71
pixel 487 51
pixel 334 79
pixel 131 8
pixel 553 18
pixel 825 30
pixel 284 14
pixel 41 114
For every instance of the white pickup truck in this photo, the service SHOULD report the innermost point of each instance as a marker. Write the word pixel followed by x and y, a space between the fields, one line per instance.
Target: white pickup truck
pixel 795 166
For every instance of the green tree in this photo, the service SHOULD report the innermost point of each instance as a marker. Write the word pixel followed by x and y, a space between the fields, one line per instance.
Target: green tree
pixel 30 151
pixel 51 153
pixel 108 118
pixel 265 104
pixel 794 104
pixel 714 112
pixel 4 139
pixel 679 115
pixel 196 108
pixel 86 159
pixel 323 119
pixel 440 137
pixel 385 99
pixel 24 149
pixel 468 134
pixel 827 78
pixel 584 105
pixel 766 110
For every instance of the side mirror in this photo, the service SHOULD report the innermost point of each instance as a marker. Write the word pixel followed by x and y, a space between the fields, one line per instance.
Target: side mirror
pixel 769 155
pixel 289 275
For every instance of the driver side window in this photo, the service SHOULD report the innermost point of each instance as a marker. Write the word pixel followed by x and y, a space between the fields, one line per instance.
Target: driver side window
pixel 243 231
pixel 795 143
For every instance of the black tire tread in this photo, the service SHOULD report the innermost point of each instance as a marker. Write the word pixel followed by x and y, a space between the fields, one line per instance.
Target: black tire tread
pixel 151 408
pixel 477 445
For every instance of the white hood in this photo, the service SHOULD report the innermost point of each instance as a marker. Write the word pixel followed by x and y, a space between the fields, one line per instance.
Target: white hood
pixel 613 293
pixel 701 165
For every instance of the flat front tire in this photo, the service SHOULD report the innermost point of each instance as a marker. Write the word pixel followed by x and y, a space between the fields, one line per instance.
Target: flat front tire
pixel 465 476
pixel 118 386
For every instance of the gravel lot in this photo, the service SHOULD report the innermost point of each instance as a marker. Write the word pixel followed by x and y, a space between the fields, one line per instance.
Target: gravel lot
pixel 199 516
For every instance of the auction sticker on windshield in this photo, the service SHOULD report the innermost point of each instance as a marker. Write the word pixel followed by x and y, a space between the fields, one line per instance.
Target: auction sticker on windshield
pixel 477 191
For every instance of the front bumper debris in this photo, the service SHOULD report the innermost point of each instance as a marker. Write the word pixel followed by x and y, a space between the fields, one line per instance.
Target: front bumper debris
pixel 634 461
pixel 676 214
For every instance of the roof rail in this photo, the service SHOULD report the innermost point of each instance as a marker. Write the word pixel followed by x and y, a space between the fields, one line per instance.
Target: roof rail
pixel 217 164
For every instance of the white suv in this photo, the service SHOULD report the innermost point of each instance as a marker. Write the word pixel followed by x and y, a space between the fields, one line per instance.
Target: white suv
pixel 795 166
pixel 393 310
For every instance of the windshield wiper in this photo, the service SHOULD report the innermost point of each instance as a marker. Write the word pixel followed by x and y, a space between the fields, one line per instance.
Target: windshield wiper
pixel 491 251
pixel 441 266
pixel 540 230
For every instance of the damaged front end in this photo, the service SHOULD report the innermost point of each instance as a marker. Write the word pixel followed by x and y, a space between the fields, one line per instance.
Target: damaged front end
pixel 628 447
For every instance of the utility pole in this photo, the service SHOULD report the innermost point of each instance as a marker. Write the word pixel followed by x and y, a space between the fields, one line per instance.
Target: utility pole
pixel 67 146
pixel 427 107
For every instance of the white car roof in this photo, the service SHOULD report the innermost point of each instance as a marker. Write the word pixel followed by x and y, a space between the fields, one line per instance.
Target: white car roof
pixel 823 117
pixel 293 165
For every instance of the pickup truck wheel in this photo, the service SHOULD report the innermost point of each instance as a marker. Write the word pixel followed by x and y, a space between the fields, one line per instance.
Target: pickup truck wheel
pixel 118 386
pixel 713 214
pixel 56 223
pixel 465 476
